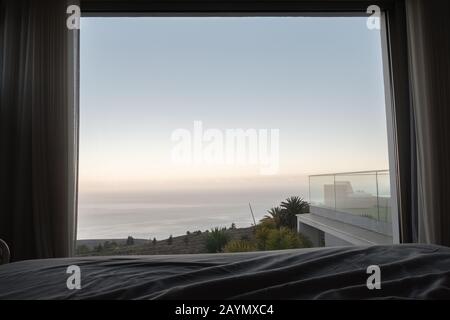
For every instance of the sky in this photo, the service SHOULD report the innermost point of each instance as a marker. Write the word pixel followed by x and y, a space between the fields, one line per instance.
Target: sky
pixel 318 81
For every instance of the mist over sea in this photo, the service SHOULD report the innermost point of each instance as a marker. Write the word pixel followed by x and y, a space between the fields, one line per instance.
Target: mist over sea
pixel 161 214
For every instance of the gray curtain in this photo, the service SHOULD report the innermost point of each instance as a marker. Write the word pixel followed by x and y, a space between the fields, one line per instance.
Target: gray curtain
pixel 38 129
pixel 428 28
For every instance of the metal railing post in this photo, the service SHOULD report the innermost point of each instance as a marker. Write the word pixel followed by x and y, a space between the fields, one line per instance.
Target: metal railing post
pixel 378 195
pixel 334 190
pixel 309 189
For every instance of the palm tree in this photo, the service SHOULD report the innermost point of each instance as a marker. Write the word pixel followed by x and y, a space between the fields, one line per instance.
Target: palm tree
pixel 291 207
pixel 275 216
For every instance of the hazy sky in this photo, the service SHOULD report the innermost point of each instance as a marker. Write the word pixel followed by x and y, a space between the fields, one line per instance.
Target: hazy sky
pixel 318 80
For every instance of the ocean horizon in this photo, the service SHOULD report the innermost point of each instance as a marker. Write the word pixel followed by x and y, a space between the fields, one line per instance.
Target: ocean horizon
pixel 150 214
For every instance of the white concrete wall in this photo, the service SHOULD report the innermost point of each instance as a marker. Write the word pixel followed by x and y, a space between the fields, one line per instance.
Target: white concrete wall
pixel 313 234
pixel 332 241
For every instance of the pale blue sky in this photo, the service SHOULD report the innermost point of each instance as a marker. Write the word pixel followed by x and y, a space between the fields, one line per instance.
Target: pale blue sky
pixel 318 80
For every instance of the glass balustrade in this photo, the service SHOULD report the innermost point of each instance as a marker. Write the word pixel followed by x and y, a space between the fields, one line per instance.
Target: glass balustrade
pixel 365 194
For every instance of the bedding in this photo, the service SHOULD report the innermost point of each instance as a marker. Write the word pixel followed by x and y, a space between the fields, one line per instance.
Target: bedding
pixel 406 272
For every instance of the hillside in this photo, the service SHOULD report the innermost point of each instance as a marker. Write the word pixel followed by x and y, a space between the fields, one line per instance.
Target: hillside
pixel 92 243
pixel 186 244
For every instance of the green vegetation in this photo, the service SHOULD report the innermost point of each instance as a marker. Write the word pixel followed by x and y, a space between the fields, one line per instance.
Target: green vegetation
pixel 286 214
pixel 98 248
pixel 274 218
pixel 240 246
pixel 276 231
pixel 216 240
pixel 270 238
pixel 285 238
pixel 262 233
pixel 245 237
pixel 83 249
pixel 290 208
pixel 107 245
pixel 130 241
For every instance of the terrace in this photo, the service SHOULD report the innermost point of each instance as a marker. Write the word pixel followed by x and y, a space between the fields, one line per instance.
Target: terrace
pixel 349 208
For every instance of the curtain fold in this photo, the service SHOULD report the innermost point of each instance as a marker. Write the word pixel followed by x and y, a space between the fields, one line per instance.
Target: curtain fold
pixel 428 28
pixel 38 129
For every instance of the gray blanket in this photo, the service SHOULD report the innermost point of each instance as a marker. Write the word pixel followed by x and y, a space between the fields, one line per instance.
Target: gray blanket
pixel 407 271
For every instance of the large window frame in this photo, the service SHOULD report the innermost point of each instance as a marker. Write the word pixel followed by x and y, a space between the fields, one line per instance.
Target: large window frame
pixel 395 67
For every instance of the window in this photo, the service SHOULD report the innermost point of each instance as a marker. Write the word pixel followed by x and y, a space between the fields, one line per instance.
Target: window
pixel 190 125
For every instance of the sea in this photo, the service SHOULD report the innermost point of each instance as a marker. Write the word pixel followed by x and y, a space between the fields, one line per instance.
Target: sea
pixel 148 215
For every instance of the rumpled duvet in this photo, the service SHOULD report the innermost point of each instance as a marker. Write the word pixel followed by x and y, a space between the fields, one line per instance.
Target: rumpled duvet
pixel 405 272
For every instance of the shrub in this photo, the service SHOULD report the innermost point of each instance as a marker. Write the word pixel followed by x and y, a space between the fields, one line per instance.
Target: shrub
pixel 239 246
pixel 216 240
pixel 275 218
pixel 304 241
pixel 262 234
pixel 245 237
pixel 110 245
pixel 130 241
pixel 83 249
pixel 284 238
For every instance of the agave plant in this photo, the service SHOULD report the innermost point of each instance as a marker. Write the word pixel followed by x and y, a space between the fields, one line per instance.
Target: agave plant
pixel 216 240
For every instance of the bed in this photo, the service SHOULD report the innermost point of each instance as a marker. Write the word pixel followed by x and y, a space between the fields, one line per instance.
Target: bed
pixel 407 272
